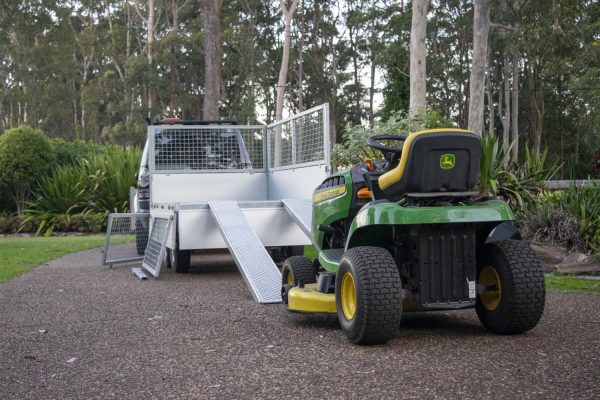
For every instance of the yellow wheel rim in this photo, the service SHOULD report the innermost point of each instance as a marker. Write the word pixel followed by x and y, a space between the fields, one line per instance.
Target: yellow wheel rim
pixel 289 278
pixel 348 296
pixel 493 293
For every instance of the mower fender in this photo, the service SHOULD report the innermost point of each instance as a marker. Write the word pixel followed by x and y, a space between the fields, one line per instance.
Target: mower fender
pixel 374 223
pixel 503 231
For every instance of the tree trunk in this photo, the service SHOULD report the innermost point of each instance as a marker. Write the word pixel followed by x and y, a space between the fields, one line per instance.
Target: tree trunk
pixel 288 15
pixel 515 106
pixel 355 118
pixel 418 51
pixel 150 30
pixel 300 70
pixel 536 99
pixel 481 27
pixel 506 72
pixel 334 90
pixel 212 58
pixel 372 77
pixel 490 97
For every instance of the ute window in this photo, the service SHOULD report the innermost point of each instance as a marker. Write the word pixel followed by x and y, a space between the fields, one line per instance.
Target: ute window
pixel 200 149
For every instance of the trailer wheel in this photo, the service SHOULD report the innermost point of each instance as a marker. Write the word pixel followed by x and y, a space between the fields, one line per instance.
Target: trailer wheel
pixel 515 293
pixel 297 269
pixel 180 260
pixel 368 295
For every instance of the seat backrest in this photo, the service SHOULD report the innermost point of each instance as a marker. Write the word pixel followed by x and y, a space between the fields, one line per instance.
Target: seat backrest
pixel 435 160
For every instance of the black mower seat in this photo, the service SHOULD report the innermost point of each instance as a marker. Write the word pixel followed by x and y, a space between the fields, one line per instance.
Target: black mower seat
pixel 433 161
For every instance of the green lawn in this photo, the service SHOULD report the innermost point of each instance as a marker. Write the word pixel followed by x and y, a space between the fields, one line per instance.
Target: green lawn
pixel 20 254
pixel 561 283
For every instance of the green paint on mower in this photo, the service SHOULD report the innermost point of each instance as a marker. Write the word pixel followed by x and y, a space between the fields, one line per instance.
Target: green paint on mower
pixel 410 232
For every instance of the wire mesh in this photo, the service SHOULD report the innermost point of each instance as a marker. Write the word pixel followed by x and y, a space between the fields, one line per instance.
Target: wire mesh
pixel 156 245
pixel 126 237
pixel 198 148
pixel 298 140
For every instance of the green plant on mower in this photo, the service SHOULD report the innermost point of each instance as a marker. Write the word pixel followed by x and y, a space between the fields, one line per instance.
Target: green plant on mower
pixel 409 233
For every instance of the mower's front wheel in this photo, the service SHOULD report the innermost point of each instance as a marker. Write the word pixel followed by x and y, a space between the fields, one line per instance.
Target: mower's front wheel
pixel 297 269
pixel 512 280
pixel 368 295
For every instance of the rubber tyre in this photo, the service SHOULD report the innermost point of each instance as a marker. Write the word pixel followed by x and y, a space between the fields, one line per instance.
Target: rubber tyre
pixel 298 269
pixel 280 254
pixel 378 290
pixel 522 288
pixel 141 238
pixel 179 260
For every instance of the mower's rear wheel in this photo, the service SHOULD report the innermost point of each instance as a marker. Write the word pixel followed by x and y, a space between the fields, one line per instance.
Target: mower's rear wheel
pixel 180 260
pixel 514 299
pixel 368 295
pixel 297 269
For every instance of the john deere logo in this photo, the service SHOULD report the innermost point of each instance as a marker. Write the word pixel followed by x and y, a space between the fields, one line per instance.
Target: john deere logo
pixel 447 161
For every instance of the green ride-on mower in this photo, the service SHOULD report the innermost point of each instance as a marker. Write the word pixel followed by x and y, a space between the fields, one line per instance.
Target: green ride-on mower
pixel 410 232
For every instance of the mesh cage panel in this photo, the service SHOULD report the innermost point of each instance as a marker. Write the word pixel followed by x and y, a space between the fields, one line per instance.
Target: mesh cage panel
pixel 202 148
pixel 298 140
pixel 126 237
pixel 155 251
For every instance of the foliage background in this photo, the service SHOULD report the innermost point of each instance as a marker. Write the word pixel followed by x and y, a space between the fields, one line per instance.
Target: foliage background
pixel 80 70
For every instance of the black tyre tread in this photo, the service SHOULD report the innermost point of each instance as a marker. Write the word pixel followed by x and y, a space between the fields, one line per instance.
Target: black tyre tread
pixel 140 238
pixel 296 250
pixel 380 297
pixel 526 285
pixel 182 261
pixel 301 268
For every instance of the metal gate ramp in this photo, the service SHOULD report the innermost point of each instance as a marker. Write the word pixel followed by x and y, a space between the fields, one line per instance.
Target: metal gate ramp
pixel 254 262
pixel 301 212
pixel 157 243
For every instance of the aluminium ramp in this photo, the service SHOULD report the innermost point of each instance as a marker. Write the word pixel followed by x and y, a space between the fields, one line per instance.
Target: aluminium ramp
pixel 157 245
pixel 301 212
pixel 254 262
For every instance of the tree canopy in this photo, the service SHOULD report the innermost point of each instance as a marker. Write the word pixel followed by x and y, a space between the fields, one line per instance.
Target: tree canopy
pixel 94 70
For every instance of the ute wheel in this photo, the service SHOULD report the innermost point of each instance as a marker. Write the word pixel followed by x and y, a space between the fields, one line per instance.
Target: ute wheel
pixel 179 260
pixel 368 295
pixel 297 269
pixel 141 237
pixel 515 295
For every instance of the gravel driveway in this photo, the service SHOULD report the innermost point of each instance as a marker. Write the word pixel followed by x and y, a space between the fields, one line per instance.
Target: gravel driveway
pixel 72 330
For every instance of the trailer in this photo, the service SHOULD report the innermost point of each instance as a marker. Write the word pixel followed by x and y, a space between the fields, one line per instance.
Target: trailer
pixel 245 188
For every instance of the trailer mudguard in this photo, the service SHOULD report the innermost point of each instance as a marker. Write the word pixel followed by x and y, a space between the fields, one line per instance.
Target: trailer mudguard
pixel 374 222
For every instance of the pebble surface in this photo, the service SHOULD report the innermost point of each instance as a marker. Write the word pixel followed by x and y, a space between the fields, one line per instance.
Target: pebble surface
pixel 73 330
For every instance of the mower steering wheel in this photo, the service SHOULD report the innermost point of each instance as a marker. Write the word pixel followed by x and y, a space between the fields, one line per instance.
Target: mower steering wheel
pixel 391 154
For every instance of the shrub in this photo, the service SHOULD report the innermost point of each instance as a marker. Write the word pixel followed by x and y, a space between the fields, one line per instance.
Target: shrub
pixel 570 217
pixel 87 222
pixel 25 156
pixel 68 153
pixel 98 184
pixel 522 183
pixel 112 172
pixel 354 147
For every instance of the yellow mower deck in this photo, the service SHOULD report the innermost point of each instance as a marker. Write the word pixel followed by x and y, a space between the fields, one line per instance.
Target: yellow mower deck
pixel 308 300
